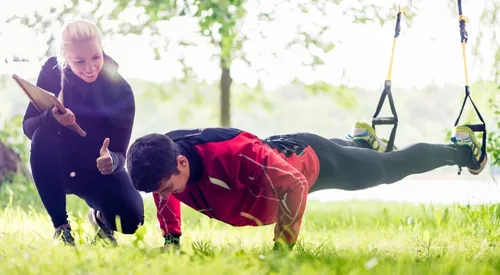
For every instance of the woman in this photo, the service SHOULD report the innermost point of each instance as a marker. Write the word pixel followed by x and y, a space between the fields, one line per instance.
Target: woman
pixel 96 97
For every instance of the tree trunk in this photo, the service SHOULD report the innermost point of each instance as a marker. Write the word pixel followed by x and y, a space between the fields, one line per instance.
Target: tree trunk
pixel 10 163
pixel 225 96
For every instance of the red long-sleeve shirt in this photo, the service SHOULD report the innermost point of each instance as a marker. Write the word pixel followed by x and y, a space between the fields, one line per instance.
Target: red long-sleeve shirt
pixel 241 180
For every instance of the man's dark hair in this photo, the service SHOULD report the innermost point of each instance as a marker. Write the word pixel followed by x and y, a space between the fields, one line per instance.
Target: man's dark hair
pixel 151 158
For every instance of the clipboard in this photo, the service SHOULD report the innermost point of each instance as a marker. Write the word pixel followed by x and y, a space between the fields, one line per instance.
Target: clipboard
pixel 44 100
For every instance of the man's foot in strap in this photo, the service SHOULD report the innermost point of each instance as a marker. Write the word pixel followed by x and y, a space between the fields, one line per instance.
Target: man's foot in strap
pixel 365 132
pixel 103 232
pixel 63 233
pixel 464 136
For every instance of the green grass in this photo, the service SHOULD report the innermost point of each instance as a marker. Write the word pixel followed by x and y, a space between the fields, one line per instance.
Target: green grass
pixel 336 238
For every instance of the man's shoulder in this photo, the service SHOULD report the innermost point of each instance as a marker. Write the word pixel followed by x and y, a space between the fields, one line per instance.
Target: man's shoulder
pixel 204 135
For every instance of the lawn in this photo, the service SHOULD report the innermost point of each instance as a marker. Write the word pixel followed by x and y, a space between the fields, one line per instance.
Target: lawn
pixel 336 238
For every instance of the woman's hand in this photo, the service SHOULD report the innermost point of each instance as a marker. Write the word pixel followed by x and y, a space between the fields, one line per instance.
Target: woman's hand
pixel 105 161
pixel 64 119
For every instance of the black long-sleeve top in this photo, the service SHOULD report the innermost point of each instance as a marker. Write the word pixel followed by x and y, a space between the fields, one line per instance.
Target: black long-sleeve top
pixel 104 108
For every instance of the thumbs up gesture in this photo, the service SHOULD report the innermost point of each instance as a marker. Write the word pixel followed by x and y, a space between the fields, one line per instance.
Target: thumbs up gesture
pixel 105 161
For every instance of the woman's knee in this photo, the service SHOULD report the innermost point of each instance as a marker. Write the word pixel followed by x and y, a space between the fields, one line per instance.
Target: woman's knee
pixel 125 215
pixel 122 203
pixel 45 153
pixel 44 139
pixel 126 222
pixel 132 224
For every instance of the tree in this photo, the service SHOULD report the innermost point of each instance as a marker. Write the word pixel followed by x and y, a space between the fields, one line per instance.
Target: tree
pixel 13 150
pixel 225 23
pixel 10 162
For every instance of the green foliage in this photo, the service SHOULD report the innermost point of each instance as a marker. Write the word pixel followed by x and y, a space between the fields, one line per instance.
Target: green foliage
pixel 217 19
pixel 247 98
pixel 487 28
pixel 493 138
pixel 223 16
pixel 342 95
pixel 11 134
pixel 20 193
pixel 355 238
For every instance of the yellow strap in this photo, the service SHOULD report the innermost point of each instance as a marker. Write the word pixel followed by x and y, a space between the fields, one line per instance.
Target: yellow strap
pixel 389 73
pixel 465 64
pixel 464 51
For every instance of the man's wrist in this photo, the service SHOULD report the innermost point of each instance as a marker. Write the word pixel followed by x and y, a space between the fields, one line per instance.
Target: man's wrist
pixel 172 239
pixel 283 246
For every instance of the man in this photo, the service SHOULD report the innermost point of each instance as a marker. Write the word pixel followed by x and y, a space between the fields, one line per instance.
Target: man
pixel 235 177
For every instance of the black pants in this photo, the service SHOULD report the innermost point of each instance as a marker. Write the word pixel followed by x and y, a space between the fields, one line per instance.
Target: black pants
pixel 57 172
pixel 351 165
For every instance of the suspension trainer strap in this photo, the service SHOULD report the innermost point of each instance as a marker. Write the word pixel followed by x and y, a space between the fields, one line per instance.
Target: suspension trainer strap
pixel 387 93
pixel 463 40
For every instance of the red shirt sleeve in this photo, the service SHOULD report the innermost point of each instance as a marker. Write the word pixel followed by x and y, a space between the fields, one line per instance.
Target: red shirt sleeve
pixel 168 214
pixel 259 164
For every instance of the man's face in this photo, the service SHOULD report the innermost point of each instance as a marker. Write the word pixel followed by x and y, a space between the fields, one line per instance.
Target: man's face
pixel 177 182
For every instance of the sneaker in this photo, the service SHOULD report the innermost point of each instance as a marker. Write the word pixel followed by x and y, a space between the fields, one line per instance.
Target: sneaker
pixel 63 232
pixel 364 131
pixel 103 232
pixel 463 135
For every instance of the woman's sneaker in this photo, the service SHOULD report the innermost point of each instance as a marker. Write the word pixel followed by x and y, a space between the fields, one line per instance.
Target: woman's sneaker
pixel 463 135
pixel 103 232
pixel 63 233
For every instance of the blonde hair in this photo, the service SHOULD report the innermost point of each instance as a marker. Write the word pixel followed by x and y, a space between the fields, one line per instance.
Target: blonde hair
pixel 79 30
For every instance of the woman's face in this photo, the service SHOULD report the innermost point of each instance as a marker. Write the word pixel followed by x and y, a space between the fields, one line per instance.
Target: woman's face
pixel 85 59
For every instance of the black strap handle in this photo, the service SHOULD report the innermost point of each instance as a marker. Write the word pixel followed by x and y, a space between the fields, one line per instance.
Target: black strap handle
pixel 474 127
pixel 387 93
